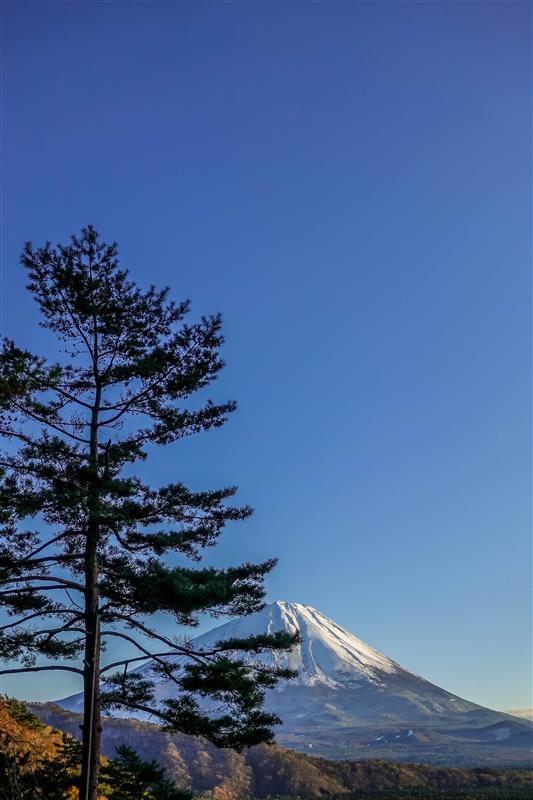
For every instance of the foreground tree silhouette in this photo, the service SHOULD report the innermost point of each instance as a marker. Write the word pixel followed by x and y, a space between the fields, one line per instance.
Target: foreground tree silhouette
pixel 94 569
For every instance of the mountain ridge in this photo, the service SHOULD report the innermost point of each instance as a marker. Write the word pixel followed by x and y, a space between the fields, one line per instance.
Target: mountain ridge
pixel 329 657
pixel 350 700
pixel 348 696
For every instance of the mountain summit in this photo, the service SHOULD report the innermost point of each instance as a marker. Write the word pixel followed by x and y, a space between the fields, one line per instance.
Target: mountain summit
pixel 340 678
pixel 328 654
pixel 347 695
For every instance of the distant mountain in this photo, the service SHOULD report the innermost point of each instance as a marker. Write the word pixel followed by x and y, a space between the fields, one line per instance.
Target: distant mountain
pixel 523 713
pixel 349 699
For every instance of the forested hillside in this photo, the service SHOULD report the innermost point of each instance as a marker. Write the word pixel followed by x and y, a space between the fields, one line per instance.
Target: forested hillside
pixel 265 771
pixel 29 753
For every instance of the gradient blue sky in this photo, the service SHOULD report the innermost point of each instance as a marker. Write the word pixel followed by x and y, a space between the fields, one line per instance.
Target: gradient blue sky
pixel 350 184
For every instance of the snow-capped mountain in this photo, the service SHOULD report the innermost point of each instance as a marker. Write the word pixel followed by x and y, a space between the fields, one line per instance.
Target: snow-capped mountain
pixel 340 677
pixel 347 691
pixel 327 656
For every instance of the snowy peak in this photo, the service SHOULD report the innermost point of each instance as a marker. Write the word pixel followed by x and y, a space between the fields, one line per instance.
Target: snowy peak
pixel 340 683
pixel 327 654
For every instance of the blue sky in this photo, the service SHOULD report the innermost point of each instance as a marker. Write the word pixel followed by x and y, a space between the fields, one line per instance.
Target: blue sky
pixel 350 184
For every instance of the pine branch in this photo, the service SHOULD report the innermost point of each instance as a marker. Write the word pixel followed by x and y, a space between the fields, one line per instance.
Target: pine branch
pixel 124 407
pixel 75 322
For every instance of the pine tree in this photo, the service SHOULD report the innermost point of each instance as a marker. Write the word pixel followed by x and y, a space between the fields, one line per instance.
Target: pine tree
pixel 57 778
pixel 83 556
pixel 128 777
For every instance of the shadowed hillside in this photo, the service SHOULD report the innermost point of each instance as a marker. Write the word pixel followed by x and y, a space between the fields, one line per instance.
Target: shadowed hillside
pixel 275 771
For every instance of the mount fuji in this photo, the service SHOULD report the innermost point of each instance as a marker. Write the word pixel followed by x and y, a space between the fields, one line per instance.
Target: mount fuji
pixel 348 696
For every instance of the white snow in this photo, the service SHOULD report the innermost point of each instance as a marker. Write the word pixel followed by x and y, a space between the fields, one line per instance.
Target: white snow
pixel 328 655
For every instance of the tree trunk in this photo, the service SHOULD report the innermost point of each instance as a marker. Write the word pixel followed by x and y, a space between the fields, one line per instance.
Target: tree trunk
pixel 92 725
pixel 92 722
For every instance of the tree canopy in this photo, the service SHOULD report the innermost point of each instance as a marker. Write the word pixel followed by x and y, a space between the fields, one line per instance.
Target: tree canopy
pixel 85 541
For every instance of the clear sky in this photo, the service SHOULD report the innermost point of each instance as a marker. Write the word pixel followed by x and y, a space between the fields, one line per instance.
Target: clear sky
pixel 350 184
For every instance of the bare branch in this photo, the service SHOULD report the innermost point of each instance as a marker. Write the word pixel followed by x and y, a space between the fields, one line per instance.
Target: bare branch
pixel 50 668
pixel 23 579
pixel 126 661
pixel 74 603
pixel 68 396
pixel 46 544
pixel 58 559
pixel 49 424
pixel 152 634
pixel 113 354
pixel 9 432
pixel 66 628
pixel 153 656
pixel 153 712
pixel 179 650
pixel 44 588
pixel 41 615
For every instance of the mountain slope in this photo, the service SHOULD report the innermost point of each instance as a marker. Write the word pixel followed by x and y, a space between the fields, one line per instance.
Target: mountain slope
pixel 348 696
pixel 341 679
